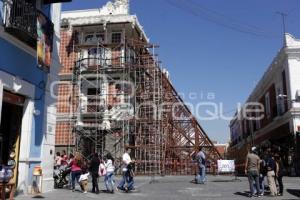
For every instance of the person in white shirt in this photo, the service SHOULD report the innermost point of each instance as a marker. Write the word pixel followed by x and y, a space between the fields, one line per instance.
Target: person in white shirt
pixel 83 180
pixel 126 158
pixel 110 170
pixel 127 172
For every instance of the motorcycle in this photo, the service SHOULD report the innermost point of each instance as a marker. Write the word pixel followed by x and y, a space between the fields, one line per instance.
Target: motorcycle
pixel 61 177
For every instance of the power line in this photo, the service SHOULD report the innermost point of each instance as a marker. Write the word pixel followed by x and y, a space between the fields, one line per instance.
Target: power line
pixel 217 18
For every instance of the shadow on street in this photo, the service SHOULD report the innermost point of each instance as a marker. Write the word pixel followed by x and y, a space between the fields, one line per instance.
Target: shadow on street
pixel 244 194
pixel 294 192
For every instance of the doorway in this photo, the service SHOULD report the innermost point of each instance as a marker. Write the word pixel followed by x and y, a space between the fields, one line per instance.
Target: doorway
pixel 10 129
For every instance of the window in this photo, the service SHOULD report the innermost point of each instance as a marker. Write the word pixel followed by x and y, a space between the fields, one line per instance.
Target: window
pixel 267 104
pixel 88 38
pixel 94 38
pixel 93 91
pixel 280 102
pixel 100 37
pixel 116 38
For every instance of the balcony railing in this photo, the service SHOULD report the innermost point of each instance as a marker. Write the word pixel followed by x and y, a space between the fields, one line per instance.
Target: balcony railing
pixel 20 19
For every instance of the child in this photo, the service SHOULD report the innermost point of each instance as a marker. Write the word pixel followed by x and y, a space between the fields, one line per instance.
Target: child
pixel 110 169
pixel 83 180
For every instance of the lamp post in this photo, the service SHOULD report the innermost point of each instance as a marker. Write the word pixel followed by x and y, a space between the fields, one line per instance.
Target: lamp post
pixel 251 130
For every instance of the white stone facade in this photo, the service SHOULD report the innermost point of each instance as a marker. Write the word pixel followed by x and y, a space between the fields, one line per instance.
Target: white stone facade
pixel 47 159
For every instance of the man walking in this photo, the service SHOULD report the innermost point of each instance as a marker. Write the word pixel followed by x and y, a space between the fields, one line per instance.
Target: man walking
pixel 200 157
pixel 127 172
pixel 252 170
pixel 94 169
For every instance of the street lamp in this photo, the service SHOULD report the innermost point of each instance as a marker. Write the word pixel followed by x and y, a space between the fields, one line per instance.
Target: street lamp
pixel 285 97
pixel 251 119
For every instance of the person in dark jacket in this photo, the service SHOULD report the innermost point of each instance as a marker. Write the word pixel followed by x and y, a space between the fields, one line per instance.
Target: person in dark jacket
pixel 94 168
pixel 271 167
pixel 279 173
pixel 262 174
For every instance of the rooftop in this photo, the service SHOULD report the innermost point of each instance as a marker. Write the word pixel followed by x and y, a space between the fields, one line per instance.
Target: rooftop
pixel 112 12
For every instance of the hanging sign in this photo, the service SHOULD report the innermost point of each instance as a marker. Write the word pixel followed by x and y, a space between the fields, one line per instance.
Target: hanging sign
pixel 44 40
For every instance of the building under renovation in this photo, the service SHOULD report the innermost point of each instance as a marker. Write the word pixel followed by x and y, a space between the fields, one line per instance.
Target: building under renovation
pixel 114 94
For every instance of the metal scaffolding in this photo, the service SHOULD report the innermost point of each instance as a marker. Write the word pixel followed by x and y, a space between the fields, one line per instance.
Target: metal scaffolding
pixel 122 98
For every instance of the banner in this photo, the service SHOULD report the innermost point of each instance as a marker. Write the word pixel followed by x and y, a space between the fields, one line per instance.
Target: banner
pixel 44 40
pixel 226 166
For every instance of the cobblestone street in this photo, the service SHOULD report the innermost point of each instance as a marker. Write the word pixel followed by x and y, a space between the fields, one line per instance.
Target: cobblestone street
pixel 181 188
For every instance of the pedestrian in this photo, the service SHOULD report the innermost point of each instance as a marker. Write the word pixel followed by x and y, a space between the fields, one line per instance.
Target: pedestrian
pixel 201 160
pixel 262 175
pixel 58 160
pixel 68 169
pixel 94 169
pixel 252 170
pixel 70 158
pixel 128 175
pixel 76 170
pixel 64 158
pixel 279 174
pixel 271 166
pixel 110 169
pixel 83 181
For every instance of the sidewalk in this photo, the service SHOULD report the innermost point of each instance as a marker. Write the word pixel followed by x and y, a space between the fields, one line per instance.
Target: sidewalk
pixel 179 188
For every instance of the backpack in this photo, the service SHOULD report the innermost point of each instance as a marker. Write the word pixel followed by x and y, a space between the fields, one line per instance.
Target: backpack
pixel 102 170
pixel 263 167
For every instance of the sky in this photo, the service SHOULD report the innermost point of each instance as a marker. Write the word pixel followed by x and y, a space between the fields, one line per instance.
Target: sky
pixel 215 50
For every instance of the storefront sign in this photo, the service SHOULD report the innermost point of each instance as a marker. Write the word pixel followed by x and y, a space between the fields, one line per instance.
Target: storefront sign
pixel 226 166
pixel 44 40
pixel 13 98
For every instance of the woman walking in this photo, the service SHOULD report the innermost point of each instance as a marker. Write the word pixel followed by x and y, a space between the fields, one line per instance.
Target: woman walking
pixel 94 168
pixel 76 170
pixel 271 166
pixel 110 169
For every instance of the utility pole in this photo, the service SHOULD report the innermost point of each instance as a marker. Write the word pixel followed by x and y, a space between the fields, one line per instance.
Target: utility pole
pixel 283 16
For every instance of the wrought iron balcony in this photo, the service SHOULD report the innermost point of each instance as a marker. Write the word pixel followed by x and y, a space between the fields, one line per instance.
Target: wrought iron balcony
pixel 20 20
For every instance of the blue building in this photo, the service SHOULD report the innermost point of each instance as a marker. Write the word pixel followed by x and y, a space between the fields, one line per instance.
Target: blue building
pixel 29 66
